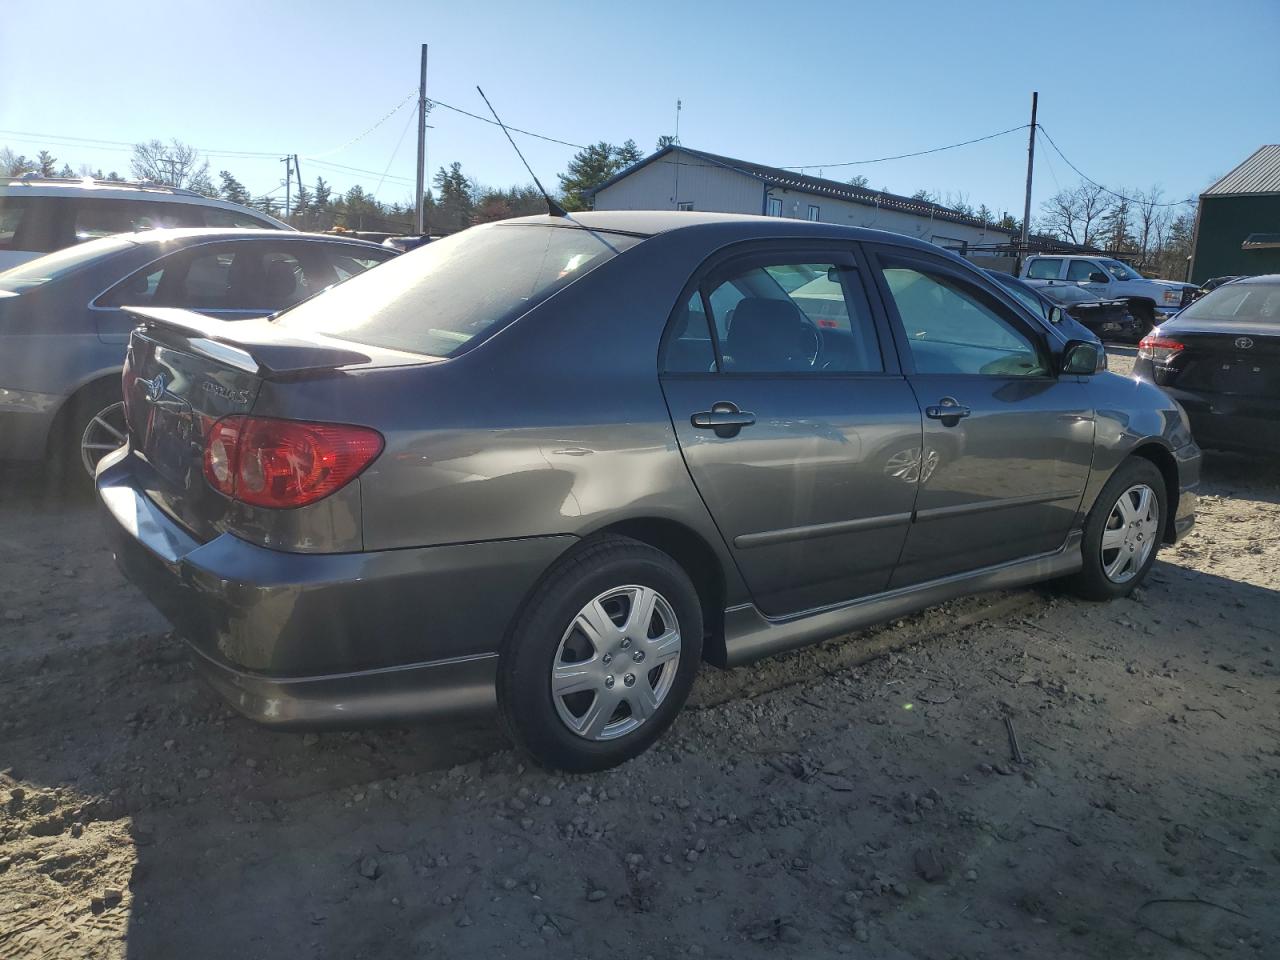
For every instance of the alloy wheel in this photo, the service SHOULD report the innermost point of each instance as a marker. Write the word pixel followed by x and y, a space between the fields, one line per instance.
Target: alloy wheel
pixel 1131 533
pixel 106 432
pixel 616 663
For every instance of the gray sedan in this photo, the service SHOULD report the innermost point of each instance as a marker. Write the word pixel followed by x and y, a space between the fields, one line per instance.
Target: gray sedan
pixel 553 464
pixel 63 331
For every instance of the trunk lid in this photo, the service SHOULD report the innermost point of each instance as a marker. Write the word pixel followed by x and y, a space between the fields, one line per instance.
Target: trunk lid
pixel 1233 359
pixel 183 372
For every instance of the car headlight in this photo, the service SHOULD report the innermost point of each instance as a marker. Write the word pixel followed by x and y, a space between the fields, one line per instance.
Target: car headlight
pixel 1173 296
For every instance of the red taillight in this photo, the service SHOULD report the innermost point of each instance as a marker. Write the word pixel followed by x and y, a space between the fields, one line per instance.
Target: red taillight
pixel 285 463
pixel 1159 349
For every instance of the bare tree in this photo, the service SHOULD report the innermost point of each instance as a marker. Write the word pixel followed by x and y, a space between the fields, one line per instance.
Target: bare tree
pixel 1077 215
pixel 14 164
pixel 175 164
pixel 1147 210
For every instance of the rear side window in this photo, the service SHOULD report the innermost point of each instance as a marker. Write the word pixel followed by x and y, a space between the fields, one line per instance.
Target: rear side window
pixel 438 298
pixel 96 218
pixel 29 223
pixel 347 265
pixel 1079 270
pixel 222 217
pixel 1045 268
pixel 776 315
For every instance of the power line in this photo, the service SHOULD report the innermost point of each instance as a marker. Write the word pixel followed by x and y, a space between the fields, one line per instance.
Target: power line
pixel 394 152
pixel 385 117
pixel 527 133
pixel 346 169
pixel 1121 196
pixel 904 156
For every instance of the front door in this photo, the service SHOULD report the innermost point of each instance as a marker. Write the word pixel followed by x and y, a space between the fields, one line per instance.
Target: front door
pixel 1008 444
pixel 795 422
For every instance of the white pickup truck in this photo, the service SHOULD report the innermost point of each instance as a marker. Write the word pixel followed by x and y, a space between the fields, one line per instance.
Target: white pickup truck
pixel 1150 301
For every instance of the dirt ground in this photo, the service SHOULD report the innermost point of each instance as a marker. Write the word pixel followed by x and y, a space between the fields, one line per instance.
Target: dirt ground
pixel 859 798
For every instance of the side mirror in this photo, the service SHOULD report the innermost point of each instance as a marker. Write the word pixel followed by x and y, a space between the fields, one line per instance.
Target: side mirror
pixel 1055 314
pixel 1081 358
pixel 1097 277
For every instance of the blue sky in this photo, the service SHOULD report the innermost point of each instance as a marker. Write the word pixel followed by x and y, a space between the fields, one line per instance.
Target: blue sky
pixel 1135 93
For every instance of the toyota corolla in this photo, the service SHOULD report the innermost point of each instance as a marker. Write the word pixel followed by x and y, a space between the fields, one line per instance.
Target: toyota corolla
pixel 552 465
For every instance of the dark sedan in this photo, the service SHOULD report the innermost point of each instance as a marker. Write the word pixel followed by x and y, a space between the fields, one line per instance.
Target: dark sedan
pixel 553 464
pixel 63 329
pixel 1107 319
pixel 1220 358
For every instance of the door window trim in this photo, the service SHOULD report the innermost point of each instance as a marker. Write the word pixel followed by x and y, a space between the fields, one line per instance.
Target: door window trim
pixel 1031 329
pixel 803 250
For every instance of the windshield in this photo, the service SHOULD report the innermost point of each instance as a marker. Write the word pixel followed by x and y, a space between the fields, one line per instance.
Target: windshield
pixel 1069 294
pixel 438 298
pixel 1121 271
pixel 1242 302
pixel 54 265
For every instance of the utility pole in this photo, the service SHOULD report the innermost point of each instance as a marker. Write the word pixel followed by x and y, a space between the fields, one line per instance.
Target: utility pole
pixel 419 224
pixel 287 160
pixel 1031 159
pixel 297 170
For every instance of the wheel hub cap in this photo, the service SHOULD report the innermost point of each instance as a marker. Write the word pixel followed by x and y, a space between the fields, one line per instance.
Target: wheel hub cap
pixel 592 658
pixel 1131 533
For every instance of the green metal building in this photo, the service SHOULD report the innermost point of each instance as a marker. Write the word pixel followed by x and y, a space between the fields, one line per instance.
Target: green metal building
pixel 1238 224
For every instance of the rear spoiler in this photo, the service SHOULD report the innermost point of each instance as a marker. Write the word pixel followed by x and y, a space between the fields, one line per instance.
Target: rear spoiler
pixel 254 346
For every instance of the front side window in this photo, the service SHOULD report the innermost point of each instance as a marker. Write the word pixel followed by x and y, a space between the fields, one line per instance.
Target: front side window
pixel 954 327
pixel 791 316
pixel 1045 268
pixel 775 207
pixel 1081 271
pixel 248 276
pixel 437 299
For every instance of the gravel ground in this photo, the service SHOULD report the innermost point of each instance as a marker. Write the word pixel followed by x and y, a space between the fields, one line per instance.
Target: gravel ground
pixel 859 798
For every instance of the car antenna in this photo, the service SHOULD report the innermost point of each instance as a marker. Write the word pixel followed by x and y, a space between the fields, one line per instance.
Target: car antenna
pixel 553 208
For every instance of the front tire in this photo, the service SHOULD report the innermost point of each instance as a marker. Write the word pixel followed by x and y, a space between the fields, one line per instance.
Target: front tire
pixel 1123 531
pixel 602 657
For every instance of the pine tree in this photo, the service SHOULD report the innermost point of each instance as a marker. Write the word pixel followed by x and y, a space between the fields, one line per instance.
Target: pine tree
pixel 232 189
pixel 455 207
pixel 590 167
pixel 46 163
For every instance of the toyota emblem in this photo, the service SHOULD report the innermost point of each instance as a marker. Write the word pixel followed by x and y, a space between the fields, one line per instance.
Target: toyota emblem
pixel 1244 343
pixel 155 387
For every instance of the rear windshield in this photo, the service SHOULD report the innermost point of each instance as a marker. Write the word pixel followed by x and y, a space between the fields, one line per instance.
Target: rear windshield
pixel 1255 302
pixel 54 265
pixel 437 299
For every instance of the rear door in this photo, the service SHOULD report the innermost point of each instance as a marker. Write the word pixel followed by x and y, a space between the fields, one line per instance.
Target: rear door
pixel 1007 443
pixel 795 421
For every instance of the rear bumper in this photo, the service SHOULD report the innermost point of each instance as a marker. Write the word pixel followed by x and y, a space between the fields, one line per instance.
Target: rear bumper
pixel 328 639
pixel 1223 422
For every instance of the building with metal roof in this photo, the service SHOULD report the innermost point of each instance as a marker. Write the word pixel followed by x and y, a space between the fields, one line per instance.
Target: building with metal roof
pixel 1238 223
pixel 679 178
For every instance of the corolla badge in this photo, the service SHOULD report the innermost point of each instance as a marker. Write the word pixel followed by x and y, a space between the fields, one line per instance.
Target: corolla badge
pixel 1244 343
pixel 218 390
pixel 155 387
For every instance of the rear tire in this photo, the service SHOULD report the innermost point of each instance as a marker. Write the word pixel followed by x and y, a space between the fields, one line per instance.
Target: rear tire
pixel 602 657
pixel 91 423
pixel 1123 532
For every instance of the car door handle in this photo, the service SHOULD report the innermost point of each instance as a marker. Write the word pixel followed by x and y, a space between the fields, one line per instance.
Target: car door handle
pixel 724 418
pixel 949 410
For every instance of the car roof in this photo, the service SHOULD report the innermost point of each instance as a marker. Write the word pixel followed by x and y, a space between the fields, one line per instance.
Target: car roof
pixel 1261 278
pixel 171 234
pixel 119 190
pixel 654 222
